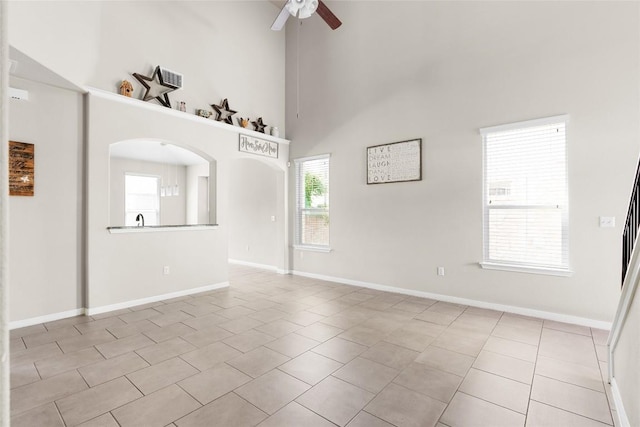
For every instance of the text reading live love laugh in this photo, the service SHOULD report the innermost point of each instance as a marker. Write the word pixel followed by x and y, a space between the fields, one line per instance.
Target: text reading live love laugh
pixel 399 161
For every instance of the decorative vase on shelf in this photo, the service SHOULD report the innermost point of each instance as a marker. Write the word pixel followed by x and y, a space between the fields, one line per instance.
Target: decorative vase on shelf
pixel 275 131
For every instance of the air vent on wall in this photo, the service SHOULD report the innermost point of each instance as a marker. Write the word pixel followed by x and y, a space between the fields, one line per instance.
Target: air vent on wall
pixel 171 78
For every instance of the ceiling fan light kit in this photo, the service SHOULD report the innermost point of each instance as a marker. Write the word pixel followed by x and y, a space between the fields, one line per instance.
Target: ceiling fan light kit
pixel 304 9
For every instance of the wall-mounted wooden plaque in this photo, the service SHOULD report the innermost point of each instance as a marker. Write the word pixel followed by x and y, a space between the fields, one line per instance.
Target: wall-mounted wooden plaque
pixel 395 162
pixel 21 169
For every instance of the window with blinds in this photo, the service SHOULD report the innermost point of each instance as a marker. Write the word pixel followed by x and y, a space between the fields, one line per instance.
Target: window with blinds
pixel 525 196
pixel 312 202
pixel 141 196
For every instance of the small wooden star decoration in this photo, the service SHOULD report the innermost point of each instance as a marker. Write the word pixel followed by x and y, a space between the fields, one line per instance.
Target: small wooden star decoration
pixel 259 125
pixel 223 112
pixel 156 88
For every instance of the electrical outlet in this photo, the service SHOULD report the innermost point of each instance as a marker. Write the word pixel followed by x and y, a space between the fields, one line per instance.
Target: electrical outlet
pixel 440 271
pixel 166 270
pixel 607 221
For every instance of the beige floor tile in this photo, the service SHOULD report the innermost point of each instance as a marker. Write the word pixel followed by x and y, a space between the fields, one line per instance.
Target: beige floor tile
pixel 240 324
pixel 168 332
pixel 529 336
pixel 446 360
pixel 157 409
pixel 201 309
pixel 310 367
pixel 366 374
pixel 136 316
pixel 278 328
pixel 247 341
pixel 155 377
pixel 512 348
pixel 292 345
pixel 390 355
pixel 495 389
pixel 465 410
pixel 41 392
pixel 272 391
pixel 568 327
pixel 23 374
pixel 485 312
pixel 113 313
pixel 46 415
pixel 96 325
pixel 319 331
pixel 365 419
pixel 209 385
pixel 50 336
pixel 437 318
pixel 579 400
pixel 79 342
pixel 105 420
pixel 110 369
pixel 520 321
pixel 335 400
pixel 258 361
pixel 267 315
pixel 229 410
pixel 600 336
pixel 124 345
pixel 34 354
pixel 505 366
pixel 602 352
pixel 16 344
pixel 340 349
pixel 170 318
pixel 56 365
pixel 304 318
pixel 295 415
pixel 69 321
pixel 410 339
pixel 166 349
pixel 584 376
pixel 211 355
pixel 459 344
pixel 568 347
pixel 133 328
pixel 88 404
pixel 345 320
pixel 405 408
pixel 207 336
pixel 434 383
pixel 205 322
pixel 541 415
pixel 235 312
pixel 363 335
pixel 422 327
pixel 26 331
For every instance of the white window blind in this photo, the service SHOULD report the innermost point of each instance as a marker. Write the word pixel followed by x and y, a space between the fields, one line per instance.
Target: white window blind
pixel 525 195
pixel 312 202
pixel 141 197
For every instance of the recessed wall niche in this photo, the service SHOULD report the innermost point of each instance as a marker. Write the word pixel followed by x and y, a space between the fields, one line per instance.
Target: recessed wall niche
pixel 161 182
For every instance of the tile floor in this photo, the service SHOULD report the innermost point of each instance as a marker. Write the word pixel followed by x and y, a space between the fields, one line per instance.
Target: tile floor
pixel 276 350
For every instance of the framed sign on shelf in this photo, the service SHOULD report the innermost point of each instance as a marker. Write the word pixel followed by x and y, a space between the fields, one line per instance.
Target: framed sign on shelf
pixel 395 162
pixel 21 169
pixel 258 146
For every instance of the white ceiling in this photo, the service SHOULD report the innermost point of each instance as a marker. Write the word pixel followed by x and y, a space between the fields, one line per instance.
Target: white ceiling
pixel 155 151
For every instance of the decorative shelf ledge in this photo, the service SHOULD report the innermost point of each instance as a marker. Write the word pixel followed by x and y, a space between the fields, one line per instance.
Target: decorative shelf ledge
pixel 161 228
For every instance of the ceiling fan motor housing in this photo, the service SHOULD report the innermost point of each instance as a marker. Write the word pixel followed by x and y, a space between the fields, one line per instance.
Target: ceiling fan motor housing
pixel 302 8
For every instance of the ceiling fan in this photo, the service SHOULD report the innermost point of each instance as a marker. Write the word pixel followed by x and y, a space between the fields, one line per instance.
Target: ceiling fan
pixel 304 9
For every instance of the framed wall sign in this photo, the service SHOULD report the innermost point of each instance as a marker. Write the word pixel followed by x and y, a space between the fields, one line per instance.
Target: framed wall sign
pixel 21 169
pixel 261 147
pixel 395 162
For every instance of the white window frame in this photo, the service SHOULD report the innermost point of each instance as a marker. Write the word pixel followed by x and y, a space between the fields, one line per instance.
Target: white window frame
pixel 490 264
pixel 299 185
pixel 158 178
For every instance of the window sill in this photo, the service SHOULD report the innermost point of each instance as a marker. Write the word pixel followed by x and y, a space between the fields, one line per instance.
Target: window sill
pixel 523 269
pixel 324 249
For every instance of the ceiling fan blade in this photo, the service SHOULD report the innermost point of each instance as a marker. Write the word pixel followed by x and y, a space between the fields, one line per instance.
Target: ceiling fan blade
pixel 278 24
pixel 328 16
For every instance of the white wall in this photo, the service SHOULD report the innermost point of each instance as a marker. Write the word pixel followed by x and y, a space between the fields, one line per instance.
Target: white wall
pixel 225 49
pixel 440 71
pixel 173 210
pixel 125 267
pixel 253 200
pixel 199 198
pixel 625 358
pixel 45 242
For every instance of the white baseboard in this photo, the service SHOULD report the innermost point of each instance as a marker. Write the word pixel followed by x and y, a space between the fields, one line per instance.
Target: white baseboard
pixel 133 303
pixel 457 300
pixel 44 319
pixel 623 420
pixel 254 265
